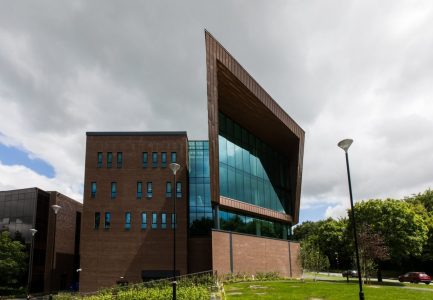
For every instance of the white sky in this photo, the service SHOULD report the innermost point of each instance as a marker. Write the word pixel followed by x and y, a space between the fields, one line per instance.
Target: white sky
pixel 358 69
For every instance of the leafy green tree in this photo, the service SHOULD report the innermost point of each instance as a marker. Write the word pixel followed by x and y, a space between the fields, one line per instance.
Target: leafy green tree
pixel 331 237
pixel 423 205
pixel 335 243
pixel 312 258
pixel 404 231
pixel 306 229
pixel 13 260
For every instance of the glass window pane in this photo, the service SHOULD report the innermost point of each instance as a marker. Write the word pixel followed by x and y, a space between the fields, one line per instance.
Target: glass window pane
pixel 143 220
pixel 144 159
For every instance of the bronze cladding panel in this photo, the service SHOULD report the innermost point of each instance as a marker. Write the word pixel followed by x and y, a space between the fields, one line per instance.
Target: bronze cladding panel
pixel 231 90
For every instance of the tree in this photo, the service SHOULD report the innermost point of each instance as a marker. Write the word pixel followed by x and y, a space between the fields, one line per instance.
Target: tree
pixel 422 203
pixel 372 250
pixel 312 258
pixel 306 229
pixel 13 260
pixel 334 243
pixel 403 230
pixel 330 236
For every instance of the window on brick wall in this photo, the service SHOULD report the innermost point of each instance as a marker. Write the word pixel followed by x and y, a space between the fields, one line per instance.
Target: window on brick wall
pixel 107 222
pixel 113 190
pixel 127 220
pixel 163 159
pixel 139 189
pixel 154 159
pixel 119 159
pixel 97 220
pixel 143 220
pixel 163 220
pixel 154 220
pixel 93 189
pixel 149 190
pixel 173 221
pixel 173 157
pixel 99 159
pixel 109 159
pixel 168 189
pixel 179 189
pixel 144 159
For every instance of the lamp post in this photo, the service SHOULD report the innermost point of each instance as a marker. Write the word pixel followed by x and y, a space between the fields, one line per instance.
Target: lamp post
pixel 345 144
pixel 56 209
pixel 174 167
pixel 29 279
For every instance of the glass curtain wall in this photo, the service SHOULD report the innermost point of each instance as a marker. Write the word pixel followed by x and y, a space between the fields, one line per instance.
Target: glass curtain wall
pixel 245 224
pixel 250 170
pixel 200 208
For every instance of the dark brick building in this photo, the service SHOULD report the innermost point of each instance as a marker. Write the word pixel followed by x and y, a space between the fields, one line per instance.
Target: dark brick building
pixel 55 252
pixel 238 192
pixel 128 206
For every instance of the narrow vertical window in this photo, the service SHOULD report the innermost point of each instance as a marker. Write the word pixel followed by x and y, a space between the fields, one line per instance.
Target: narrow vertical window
pixel 119 159
pixel 93 190
pixel 107 222
pixel 144 159
pixel 139 189
pixel 168 189
pixel 99 159
pixel 143 220
pixel 127 220
pixel 97 219
pixel 109 159
pixel 173 157
pixel 154 220
pixel 163 220
pixel 149 190
pixel 113 190
pixel 154 159
pixel 163 159
pixel 179 189
pixel 173 221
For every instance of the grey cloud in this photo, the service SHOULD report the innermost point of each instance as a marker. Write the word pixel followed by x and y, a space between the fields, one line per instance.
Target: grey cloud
pixel 352 69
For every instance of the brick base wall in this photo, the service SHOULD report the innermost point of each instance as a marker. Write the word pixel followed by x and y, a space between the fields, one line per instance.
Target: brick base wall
pixel 234 252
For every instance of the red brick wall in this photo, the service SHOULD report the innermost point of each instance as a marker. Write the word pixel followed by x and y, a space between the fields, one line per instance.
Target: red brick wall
pixel 253 254
pixel 108 254
pixel 199 254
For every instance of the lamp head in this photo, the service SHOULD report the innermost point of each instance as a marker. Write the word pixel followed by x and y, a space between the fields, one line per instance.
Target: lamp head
pixel 174 167
pixel 33 231
pixel 345 144
pixel 56 208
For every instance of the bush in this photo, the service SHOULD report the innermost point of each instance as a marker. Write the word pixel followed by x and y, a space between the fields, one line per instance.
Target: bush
pixel 188 288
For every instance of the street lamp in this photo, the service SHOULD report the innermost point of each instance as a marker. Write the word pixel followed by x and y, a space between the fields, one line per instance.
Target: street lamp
pixel 56 209
pixel 174 168
pixel 29 279
pixel 345 144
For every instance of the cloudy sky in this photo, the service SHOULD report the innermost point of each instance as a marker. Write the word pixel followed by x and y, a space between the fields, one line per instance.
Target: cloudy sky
pixel 358 69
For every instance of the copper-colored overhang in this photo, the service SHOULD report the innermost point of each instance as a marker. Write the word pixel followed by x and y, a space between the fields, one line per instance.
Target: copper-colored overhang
pixel 234 92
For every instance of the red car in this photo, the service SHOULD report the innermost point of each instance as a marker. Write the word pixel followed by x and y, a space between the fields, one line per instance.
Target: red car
pixel 415 277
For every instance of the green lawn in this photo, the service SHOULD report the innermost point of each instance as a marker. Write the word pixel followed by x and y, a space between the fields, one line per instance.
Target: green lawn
pixel 321 290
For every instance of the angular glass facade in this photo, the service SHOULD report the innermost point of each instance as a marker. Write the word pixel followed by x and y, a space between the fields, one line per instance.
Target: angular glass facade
pixel 200 208
pixel 250 170
pixel 246 224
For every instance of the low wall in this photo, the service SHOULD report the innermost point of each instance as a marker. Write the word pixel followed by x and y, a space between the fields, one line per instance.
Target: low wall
pixel 234 252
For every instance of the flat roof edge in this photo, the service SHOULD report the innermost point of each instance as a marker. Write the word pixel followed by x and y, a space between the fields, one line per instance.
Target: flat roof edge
pixel 136 133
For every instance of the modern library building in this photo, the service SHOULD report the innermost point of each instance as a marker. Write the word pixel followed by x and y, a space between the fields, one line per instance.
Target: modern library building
pixel 230 206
